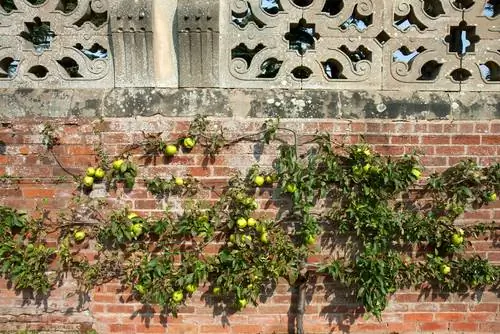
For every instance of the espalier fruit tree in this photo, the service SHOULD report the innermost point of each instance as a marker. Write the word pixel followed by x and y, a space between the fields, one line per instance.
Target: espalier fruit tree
pixel 328 193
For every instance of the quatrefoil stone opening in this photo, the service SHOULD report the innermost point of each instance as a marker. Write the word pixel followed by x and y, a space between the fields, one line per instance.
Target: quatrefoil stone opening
pixel 38 34
pixel 302 36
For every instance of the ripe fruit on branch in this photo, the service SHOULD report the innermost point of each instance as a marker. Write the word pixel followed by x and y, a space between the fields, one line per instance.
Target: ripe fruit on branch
pixel 99 173
pixel 251 222
pixel 457 239
pixel 259 181
pixel 117 164
pixel 445 269
pixel 79 235
pixel 90 171
pixel 132 215
pixel 136 229
pixel 190 288
pixel 88 181
pixel 242 303
pixel 177 296
pixel 416 172
pixel 241 222
pixel 170 150
pixel 310 239
pixel 179 181
pixel 291 188
pixel 188 142
pixel 264 238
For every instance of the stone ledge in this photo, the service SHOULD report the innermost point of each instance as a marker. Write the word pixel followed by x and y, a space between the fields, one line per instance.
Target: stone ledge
pixel 123 102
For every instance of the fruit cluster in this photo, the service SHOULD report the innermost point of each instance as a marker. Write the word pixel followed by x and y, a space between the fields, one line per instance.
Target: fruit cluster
pixel 93 175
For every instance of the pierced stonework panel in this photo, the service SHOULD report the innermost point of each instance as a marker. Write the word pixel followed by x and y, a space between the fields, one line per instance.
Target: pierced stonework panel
pixel 300 44
pixel 55 43
pixel 447 45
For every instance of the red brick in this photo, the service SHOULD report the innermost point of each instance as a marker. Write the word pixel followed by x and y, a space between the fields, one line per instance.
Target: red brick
pixel 466 140
pixel 450 316
pixel 490 140
pixel 38 192
pixel 464 326
pixel 376 139
pixel 491 327
pixel 450 150
pixel 434 140
pixel 407 139
pixel 434 326
pixel 417 316
pixel 214 329
pixel 245 329
pixel 119 328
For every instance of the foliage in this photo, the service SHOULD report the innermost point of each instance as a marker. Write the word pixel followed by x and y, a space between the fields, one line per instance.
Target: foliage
pixel 395 230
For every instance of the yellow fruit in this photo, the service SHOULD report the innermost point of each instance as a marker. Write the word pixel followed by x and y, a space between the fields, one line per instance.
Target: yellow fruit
pixel 492 197
pixel 203 219
pixel 232 238
pixel 310 239
pixel 132 215
pixel 188 142
pixel 190 288
pixel 88 181
pixel 457 239
pixel 90 171
pixel 264 238
pixel 216 291
pixel 245 238
pixel 251 202
pixel 291 188
pixel 242 303
pixel 269 179
pixel 99 173
pixel 179 181
pixel 416 172
pixel 251 222
pixel 445 270
pixel 259 180
pixel 177 296
pixel 461 231
pixel 241 222
pixel 367 152
pixel 366 167
pixel 136 229
pixel 139 288
pixel 117 164
pixel 260 228
pixel 79 235
pixel 170 150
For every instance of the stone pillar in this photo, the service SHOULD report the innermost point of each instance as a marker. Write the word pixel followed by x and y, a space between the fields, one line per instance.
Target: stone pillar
pixel 198 26
pixel 164 43
pixel 132 40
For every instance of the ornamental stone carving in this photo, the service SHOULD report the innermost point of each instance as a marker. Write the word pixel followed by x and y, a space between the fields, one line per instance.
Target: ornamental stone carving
pixel 423 45
pixel 55 43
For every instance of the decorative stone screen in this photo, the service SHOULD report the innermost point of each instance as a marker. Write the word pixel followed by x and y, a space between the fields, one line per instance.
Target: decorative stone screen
pixel 362 44
pixel 55 43
pixel 413 45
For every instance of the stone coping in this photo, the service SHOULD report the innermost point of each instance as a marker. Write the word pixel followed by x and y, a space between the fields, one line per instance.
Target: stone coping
pixel 337 104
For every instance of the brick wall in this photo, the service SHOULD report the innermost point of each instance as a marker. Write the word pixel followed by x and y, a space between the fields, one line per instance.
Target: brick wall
pixel 44 183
